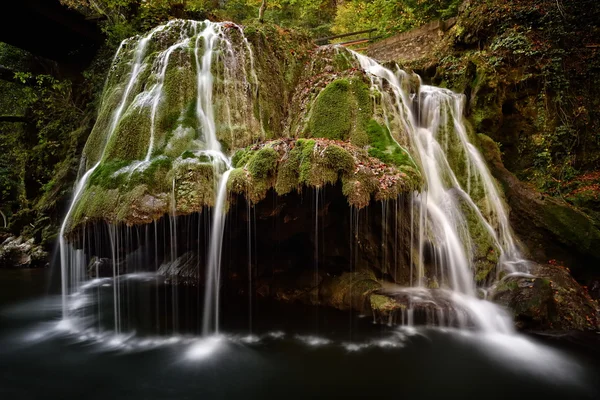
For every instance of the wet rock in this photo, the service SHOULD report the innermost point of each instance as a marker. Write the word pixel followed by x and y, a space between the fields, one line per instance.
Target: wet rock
pixel 385 308
pixel 290 287
pixel 351 290
pixel 103 268
pixel 549 298
pixel 16 252
pixel 183 270
pixel 348 291
pixel 417 305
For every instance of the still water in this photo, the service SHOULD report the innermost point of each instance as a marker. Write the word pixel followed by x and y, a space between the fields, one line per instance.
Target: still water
pixel 291 352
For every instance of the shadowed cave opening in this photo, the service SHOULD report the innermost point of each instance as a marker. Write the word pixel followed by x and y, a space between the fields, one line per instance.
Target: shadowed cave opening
pixel 286 249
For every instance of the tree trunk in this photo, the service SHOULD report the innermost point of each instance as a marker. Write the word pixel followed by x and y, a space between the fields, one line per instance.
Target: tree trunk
pixel 261 11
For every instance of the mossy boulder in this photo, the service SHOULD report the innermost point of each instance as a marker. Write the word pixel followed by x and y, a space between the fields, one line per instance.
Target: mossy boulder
pixel 549 299
pixel 385 308
pixel 349 291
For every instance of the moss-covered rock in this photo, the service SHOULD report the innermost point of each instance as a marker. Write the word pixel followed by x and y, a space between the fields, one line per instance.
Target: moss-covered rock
pixel 551 299
pixel 342 111
pixel 547 225
pixel 288 165
pixel 383 146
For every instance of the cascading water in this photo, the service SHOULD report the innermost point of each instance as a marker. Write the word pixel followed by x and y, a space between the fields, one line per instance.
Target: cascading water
pixel 432 118
pixel 208 105
pixel 204 43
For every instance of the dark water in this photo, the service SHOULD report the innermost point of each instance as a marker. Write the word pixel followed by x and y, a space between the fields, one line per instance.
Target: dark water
pixel 294 352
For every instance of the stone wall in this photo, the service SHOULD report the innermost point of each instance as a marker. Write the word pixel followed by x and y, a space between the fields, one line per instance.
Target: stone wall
pixel 411 45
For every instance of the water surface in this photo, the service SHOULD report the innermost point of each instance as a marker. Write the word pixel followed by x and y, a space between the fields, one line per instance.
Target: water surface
pixel 292 352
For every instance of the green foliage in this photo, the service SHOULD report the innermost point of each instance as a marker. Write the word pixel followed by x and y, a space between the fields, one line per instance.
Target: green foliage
pixel 319 18
pixel 313 16
pixel 390 16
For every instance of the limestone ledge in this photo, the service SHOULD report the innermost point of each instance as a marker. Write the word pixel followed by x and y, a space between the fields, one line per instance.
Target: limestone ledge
pixel 187 185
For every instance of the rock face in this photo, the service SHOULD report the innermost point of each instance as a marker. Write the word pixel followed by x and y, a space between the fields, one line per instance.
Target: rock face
pixel 548 299
pixel 550 228
pixel 15 252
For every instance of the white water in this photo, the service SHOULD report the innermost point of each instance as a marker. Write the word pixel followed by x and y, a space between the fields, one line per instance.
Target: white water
pixel 432 128
pixel 210 321
pixel 157 91
pixel 65 248
pixel 208 39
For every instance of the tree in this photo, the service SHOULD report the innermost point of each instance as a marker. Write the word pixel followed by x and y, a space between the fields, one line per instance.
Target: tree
pixel 261 11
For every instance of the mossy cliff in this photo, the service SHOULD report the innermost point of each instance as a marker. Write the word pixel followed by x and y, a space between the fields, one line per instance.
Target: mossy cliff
pixel 150 145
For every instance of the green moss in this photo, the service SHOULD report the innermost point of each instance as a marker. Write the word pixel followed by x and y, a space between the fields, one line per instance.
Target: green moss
pixel 241 182
pixel 306 158
pixel 341 60
pixel 263 163
pixel 341 111
pixel 383 146
pixel 384 304
pixel 154 175
pixel 104 175
pixel 506 285
pixel 572 227
pixel 360 188
pixel 238 181
pixel 188 154
pixel 130 139
pixel 181 140
pixel 288 177
pixel 331 112
pixel 195 186
pixel 240 158
pixel 338 159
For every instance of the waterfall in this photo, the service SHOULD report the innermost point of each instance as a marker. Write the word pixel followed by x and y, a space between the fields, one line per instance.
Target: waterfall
pixel 65 262
pixel 179 96
pixel 433 119
pixel 145 88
